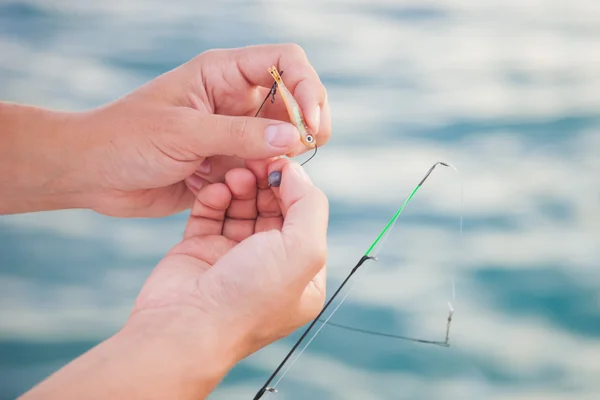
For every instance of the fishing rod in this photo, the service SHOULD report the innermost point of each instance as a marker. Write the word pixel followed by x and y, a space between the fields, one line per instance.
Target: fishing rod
pixel 368 255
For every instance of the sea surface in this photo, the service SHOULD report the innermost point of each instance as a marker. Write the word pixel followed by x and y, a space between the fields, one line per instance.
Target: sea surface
pixel 507 91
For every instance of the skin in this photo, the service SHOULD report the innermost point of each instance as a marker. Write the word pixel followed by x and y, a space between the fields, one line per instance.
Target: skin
pixel 250 270
pixel 139 155
pixel 251 266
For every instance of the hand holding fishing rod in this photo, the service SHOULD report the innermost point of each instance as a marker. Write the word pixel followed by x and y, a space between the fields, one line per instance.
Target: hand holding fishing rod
pixel 147 153
pixel 250 270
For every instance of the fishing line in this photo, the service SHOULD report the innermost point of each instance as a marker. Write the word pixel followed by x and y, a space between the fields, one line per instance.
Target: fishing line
pixel 272 388
pixel 370 254
pixel 381 243
pixel 389 335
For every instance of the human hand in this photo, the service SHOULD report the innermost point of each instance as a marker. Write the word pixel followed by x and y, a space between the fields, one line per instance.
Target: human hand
pixel 250 269
pixel 252 262
pixel 141 154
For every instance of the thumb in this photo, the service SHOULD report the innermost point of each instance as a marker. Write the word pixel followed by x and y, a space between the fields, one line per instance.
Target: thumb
pixel 304 230
pixel 245 137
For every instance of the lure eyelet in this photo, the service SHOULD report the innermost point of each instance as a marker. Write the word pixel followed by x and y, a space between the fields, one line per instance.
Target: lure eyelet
pixel 310 138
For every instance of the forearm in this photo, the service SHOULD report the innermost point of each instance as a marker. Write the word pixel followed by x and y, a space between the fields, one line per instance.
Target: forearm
pixel 38 154
pixel 154 359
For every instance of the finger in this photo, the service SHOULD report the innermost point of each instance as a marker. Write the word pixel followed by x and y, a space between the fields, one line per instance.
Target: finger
pixel 324 133
pixel 205 248
pixel 250 65
pixel 208 212
pixel 213 169
pixel 166 200
pixel 242 137
pixel 241 214
pixel 278 111
pixel 264 224
pixel 304 228
pixel 277 166
pixel 195 182
pixel 260 169
pixel 267 204
pixel 300 76
pixel 317 115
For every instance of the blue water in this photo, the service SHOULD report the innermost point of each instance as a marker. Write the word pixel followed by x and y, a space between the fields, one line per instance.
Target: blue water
pixel 507 92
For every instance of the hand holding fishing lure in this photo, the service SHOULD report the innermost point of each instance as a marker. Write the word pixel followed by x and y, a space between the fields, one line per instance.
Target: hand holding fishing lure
pixel 307 137
pixel 146 154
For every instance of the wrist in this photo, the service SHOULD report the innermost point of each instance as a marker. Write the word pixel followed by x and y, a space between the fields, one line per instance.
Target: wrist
pixel 186 347
pixel 38 159
pixel 159 354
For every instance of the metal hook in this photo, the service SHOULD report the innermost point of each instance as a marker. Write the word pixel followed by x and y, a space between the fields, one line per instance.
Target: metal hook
pixel 311 157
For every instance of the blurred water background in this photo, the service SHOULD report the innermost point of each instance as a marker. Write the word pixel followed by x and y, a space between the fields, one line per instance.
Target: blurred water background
pixel 506 90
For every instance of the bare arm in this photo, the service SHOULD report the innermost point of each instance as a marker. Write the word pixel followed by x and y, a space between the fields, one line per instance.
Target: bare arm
pixel 158 355
pixel 38 160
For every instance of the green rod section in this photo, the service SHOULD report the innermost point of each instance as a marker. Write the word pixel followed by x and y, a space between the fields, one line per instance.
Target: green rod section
pixel 394 218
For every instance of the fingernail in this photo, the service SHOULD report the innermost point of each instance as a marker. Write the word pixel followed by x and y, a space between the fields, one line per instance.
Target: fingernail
pixel 196 182
pixel 205 167
pixel 301 172
pixel 282 135
pixel 275 179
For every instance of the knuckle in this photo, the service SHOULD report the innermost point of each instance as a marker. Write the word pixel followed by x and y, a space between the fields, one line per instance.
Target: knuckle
pixel 312 312
pixel 238 128
pixel 319 254
pixel 316 253
pixel 296 49
pixel 210 53
pixel 324 94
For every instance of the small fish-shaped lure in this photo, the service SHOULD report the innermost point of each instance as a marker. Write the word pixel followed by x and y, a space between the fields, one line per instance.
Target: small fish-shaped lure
pixel 306 135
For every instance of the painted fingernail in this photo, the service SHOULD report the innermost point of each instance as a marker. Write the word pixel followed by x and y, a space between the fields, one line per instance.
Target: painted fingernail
pixel 301 172
pixel 196 182
pixel 282 135
pixel 205 167
pixel 275 178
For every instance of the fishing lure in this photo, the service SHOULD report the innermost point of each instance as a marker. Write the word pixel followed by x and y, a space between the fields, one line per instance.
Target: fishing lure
pixel 370 254
pixel 296 117
pixel 293 109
